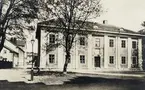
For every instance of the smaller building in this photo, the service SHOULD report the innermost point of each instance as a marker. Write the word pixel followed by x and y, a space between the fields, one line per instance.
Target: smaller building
pixel 12 53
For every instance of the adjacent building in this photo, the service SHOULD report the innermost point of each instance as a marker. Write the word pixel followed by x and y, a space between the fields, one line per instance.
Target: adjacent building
pixel 101 47
pixel 12 53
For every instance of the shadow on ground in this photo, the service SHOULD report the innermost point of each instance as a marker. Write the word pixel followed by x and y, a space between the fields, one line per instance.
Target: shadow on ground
pixel 6 85
pixel 95 80
pixel 109 83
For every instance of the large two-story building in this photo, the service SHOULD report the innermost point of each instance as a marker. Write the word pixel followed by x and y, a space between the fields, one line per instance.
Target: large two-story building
pixel 101 47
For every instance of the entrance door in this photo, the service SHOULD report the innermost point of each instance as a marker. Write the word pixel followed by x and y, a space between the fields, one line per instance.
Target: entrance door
pixel 97 61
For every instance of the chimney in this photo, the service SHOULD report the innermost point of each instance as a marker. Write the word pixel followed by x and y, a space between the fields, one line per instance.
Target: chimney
pixel 105 22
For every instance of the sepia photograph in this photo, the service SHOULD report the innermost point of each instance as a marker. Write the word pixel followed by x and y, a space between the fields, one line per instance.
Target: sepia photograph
pixel 72 44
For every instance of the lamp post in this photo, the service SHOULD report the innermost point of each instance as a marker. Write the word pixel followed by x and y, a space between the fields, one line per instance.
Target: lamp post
pixel 32 42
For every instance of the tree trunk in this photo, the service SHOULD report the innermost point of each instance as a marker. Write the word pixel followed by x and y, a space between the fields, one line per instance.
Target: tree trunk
pixel 66 63
pixel 2 42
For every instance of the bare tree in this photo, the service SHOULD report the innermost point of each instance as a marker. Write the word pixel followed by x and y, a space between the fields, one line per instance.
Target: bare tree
pixel 13 15
pixel 72 15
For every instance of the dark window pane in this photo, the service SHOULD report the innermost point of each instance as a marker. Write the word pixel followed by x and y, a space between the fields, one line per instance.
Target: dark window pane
pixel 123 44
pixel 123 60
pixel 82 40
pixel 82 59
pixel 111 59
pixel 134 44
pixel 51 39
pixel 51 58
pixel 111 43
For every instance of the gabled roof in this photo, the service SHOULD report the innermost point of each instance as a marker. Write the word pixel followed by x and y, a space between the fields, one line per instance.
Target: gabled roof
pixel 89 26
pixel 12 47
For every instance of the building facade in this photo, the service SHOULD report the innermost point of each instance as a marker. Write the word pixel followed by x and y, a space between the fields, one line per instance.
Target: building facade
pixel 12 53
pixel 101 48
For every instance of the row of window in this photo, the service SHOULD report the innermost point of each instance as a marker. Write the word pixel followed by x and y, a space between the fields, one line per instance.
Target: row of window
pixel 123 43
pixel 52 58
pixel 82 59
pixel 97 42
pixel 52 39
pixel 123 60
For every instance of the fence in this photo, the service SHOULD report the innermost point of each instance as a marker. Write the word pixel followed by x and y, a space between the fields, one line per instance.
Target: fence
pixel 6 64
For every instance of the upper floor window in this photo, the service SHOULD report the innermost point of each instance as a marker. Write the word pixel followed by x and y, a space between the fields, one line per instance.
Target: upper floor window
pixel 123 43
pixel 134 44
pixel 82 40
pixel 51 58
pixel 97 42
pixel 51 38
pixel 111 43
pixel 111 59
pixel 123 60
pixel 82 58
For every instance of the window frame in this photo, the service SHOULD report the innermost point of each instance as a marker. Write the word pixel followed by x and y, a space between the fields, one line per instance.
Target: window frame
pixel 135 60
pixel 111 59
pixel 123 58
pixel 97 42
pixel 51 60
pixel 111 42
pixel 135 44
pixel 82 59
pixel 123 43
pixel 52 38
pixel 82 41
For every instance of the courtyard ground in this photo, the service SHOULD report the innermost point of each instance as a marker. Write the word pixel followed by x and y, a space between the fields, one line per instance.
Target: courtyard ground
pixel 19 79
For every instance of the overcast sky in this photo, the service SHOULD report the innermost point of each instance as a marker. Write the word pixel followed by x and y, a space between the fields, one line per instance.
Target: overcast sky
pixel 124 13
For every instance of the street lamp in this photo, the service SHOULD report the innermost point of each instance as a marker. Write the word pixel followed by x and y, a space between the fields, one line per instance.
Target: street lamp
pixel 32 42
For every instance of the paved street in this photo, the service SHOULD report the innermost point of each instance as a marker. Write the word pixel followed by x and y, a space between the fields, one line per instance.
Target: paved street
pixel 19 80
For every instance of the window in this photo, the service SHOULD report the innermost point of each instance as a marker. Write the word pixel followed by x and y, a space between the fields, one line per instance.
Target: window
pixel 51 38
pixel 123 60
pixel 134 60
pixel 134 44
pixel 82 40
pixel 123 43
pixel 111 59
pixel 69 60
pixel 51 58
pixel 97 42
pixel 82 59
pixel 111 43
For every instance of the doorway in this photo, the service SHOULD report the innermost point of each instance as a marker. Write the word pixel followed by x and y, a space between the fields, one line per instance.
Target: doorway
pixel 97 62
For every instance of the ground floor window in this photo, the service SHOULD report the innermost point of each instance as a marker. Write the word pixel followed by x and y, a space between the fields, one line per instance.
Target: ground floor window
pixel 123 60
pixel 111 59
pixel 134 60
pixel 51 58
pixel 82 58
